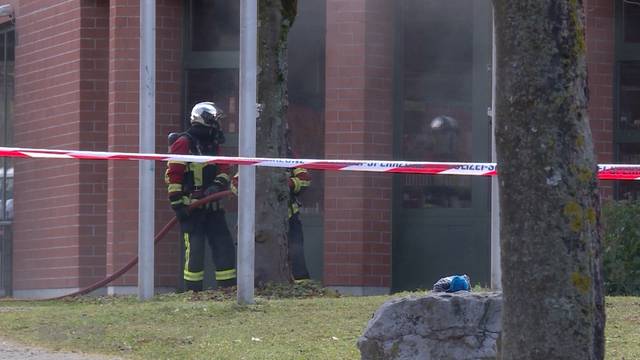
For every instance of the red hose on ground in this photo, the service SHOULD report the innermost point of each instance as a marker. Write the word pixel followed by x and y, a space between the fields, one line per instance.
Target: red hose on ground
pixel 134 261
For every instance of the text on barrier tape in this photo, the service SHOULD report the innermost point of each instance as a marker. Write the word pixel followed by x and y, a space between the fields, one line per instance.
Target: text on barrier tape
pixel 605 171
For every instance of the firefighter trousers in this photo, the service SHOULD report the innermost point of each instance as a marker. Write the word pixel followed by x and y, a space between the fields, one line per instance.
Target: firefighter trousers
pixel 296 248
pixel 207 225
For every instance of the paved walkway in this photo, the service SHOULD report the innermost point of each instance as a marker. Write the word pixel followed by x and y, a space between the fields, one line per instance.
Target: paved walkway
pixel 10 350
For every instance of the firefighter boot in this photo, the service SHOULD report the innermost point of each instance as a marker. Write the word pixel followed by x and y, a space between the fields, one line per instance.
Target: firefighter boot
pixel 194 286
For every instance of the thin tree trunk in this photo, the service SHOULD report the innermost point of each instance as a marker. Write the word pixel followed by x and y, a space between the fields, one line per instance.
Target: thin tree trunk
pixel 272 192
pixel 551 247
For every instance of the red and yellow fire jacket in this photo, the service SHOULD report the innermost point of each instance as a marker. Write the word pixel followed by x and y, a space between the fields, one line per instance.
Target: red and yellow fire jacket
pixel 299 180
pixel 187 181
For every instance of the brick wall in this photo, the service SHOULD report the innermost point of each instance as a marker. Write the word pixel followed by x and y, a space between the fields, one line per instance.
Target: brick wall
pixel 379 141
pixel 122 204
pixel 358 124
pixel 600 62
pixel 92 191
pixel 168 119
pixel 49 74
pixel 122 199
pixel 77 88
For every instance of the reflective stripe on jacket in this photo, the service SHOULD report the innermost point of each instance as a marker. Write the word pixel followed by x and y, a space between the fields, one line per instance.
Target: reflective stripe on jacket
pixel 299 180
pixel 186 181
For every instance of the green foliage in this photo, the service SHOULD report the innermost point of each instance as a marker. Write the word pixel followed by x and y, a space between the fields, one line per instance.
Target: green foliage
pixel 621 222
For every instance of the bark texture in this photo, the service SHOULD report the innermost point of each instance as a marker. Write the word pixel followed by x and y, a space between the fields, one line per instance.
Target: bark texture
pixel 551 247
pixel 275 18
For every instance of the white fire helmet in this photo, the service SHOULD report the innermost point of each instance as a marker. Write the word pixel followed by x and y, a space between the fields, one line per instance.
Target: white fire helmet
pixel 443 123
pixel 207 114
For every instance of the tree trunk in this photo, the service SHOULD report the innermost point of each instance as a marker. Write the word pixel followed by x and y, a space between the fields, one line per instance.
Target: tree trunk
pixel 551 247
pixel 275 18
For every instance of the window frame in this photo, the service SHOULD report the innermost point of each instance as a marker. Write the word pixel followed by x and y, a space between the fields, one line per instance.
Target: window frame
pixel 7 122
pixel 623 53
pixel 6 233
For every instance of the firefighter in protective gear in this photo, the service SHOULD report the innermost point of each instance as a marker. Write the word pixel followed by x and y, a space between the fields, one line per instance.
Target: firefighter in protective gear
pixel 188 182
pixel 298 181
pixel 445 132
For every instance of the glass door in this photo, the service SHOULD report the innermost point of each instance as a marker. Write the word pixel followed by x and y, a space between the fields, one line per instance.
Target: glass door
pixel 443 92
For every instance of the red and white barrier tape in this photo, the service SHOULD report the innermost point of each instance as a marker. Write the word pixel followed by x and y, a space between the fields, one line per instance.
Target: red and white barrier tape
pixel 605 171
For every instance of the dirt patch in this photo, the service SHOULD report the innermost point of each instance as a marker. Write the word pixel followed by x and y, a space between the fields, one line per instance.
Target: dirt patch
pixel 633 318
pixel 10 350
pixel 9 309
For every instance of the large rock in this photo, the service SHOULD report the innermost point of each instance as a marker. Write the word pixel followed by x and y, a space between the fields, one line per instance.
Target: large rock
pixel 460 326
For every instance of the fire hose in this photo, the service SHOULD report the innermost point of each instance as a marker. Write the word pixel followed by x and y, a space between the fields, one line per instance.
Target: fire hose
pixel 134 261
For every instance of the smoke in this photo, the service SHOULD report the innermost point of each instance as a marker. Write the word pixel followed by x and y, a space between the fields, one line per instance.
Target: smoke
pixel 438 49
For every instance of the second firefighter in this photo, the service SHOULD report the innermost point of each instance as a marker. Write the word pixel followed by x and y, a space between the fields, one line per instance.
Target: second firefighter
pixel 298 181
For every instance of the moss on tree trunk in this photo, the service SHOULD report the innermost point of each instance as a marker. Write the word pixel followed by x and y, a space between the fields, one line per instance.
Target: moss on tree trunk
pixel 272 192
pixel 551 247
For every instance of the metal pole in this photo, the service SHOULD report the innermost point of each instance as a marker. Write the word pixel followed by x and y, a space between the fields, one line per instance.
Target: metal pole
pixel 146 182
pixel 496 271
pixel 247 147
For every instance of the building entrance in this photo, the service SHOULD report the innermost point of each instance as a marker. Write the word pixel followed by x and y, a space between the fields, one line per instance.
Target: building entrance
pixel 443 92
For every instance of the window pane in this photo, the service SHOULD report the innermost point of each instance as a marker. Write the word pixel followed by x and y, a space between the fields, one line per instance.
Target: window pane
pixel 437 104
pixel 3 83
pixel 631 20
pixel 6 188
pixel 6 122
pixel 305 115
pixel 215 25
pixel 629 154
pixel 219 86
pixel 10 79
pixel 630 95
pixel 306 55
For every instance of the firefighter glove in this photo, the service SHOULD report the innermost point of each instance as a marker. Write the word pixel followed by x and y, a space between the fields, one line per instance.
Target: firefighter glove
pixel 233 186
pixel 182 212
pixel 212 189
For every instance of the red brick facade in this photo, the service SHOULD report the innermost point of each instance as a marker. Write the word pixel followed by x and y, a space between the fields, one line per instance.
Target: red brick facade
pixel 358 123
pixel 76 74
pixel 77 88
pixel 122 212
pixel 600 58
pixel 59 227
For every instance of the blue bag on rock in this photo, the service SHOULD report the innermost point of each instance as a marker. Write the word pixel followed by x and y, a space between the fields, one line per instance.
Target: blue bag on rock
pixel 452 284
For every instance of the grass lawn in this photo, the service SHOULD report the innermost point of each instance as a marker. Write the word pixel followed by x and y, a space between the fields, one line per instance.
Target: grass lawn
pixel 211 326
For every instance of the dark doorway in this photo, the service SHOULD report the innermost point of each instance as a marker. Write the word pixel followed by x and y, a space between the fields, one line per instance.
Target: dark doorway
pixel 443 92
pixel 211 61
